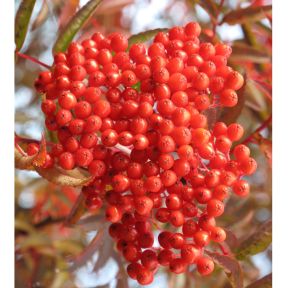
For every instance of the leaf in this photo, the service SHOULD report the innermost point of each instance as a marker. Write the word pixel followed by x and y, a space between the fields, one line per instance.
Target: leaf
pixel 231 267
pixel 144 36
pixel 59 176
pixel 40 158
pixel 254 97
pixel 212 115
pixel 74 25
pixel 22 20
pixel 265 146
pixel 264 87
pixel 53 203
pixel 243 52
pixel 230 115
pixel 41 17
pixel 90 250
pixel 256 243
pixel 34 240
pixel 23 162
pixel 249 14
pixel 22 225
pixel 67 246
pixel 56 175
pixel 69 8
pixel 88 223
pixel 77 211
pixel 30 162
pixel 109 7
pixel 231 239
pixel 105 249
pixel 265 282
pixel 209 6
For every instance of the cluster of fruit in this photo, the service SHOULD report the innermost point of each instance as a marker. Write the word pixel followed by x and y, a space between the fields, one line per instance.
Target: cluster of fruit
pixel 134 118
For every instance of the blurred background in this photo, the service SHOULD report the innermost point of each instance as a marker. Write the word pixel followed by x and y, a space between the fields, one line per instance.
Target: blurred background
pixel 51 254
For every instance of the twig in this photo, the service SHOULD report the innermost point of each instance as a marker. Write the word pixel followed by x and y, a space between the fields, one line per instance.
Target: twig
pixel 32 59
pixel 260 128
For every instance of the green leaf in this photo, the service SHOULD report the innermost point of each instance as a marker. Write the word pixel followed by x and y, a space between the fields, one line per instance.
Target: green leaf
pixel 231 267
pixel 265 282
pixel 229 115
pixel 144 36
pixel 74 25
pixel 249 14
pixel 256 243
pixel 243 52
pixel 22 20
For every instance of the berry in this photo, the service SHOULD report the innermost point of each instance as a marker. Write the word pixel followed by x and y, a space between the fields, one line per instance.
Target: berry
pixel 205 266
pixel 135 119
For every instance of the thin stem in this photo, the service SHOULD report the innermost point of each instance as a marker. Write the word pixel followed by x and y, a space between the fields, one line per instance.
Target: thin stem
pixel 223 249
pixel 260 128
pixel 216 23
pixel 32 59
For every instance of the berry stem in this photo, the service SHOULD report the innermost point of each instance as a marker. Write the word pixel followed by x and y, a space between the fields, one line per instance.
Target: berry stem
pixel 33 59
pixel 224 250
pixel 260 128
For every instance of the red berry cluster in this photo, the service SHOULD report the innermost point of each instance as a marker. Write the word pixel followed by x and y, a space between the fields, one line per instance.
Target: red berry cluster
pixel 134 118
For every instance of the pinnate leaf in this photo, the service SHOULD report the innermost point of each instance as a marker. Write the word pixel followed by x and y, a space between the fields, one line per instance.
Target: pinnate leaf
pixel 249 14
pixel 74 25
pixel 256 243
pixel 231 267
pixel 22 20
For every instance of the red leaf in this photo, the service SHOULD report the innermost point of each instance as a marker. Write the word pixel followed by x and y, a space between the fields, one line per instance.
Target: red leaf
pixel 249 14
pixel 231 267
pixel 229 115
pixel 23 161
pixel 265 282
